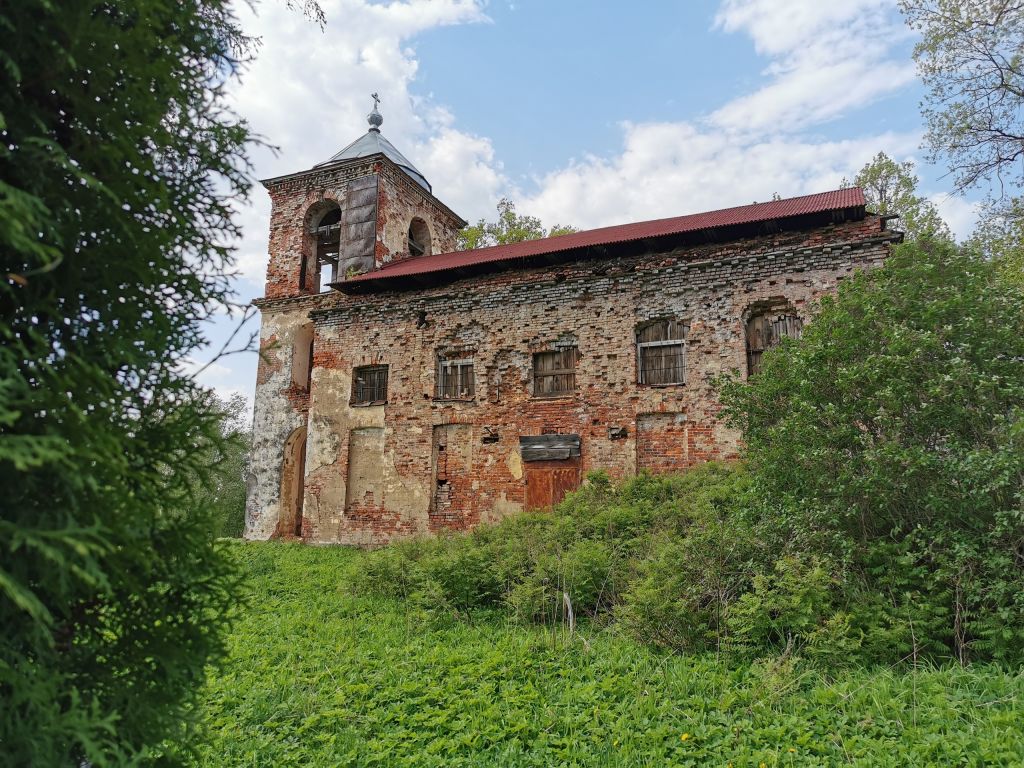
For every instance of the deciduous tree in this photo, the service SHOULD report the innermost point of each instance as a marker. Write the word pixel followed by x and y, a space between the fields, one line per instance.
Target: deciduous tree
pixel 509 227
pixel 971 58
pixel 890 188
pixel 890 438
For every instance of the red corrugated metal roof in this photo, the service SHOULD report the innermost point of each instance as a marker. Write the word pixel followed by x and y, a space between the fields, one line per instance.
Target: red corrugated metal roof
pixel 851 197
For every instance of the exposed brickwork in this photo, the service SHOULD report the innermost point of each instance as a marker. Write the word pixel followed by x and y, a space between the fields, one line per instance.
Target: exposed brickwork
pixel 500 320
pixel 296 201
pixel 366 474
pixel 399 200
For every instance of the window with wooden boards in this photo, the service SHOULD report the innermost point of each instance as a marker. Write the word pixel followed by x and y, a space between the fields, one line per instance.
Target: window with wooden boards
pixel 661 352
pixel 766 330
pixel 554 373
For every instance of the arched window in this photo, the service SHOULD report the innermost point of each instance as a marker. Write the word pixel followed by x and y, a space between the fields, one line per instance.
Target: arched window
pixel 419 238
pixel 766 329
pixel 293 478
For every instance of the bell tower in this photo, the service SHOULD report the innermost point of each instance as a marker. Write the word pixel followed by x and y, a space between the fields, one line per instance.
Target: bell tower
pixel 365 206
pixel 361 208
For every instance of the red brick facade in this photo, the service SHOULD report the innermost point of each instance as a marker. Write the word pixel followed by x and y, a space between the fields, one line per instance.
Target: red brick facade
pixel 418 463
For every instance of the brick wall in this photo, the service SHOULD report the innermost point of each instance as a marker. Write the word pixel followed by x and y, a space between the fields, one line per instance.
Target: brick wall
pixel 298 201
pixel 501 320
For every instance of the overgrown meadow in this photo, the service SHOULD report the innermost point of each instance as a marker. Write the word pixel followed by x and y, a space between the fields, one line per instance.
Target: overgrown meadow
pixel 321 674
pixel 848 595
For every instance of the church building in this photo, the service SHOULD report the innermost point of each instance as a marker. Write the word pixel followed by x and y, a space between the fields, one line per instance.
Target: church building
pixel 407 388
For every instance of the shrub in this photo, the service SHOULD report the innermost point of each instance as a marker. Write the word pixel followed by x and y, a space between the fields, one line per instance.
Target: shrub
pixel 889 441
pixel 785 607
pixel 602 545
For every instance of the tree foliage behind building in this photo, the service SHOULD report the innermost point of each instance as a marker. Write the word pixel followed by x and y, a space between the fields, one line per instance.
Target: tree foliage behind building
pixel 509 227
pixel 117 165
pixel 225 485
pixel 890 189
pixel 971 58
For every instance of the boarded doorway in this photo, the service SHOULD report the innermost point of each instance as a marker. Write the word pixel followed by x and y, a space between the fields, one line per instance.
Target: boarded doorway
pixel 293 475
pixel 552 467
pixel 662 442
pixel 451 504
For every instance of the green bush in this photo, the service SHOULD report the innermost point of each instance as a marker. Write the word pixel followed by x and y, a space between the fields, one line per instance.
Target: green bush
pixel 583 570
pixel 594 547
pixel 890 441
pixel 784 607
pixel 881 517
pixel 464 573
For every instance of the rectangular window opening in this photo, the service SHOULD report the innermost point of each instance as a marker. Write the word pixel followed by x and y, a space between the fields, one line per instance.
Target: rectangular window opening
pixel 661 353
pixel 554 373
pixel 455 379
pixel 370 385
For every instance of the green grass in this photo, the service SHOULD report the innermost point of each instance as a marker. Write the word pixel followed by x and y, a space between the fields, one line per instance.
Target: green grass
pixel 319 676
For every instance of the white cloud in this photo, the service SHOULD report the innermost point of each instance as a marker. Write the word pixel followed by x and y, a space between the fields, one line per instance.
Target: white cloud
pixel 827 58
pixel 308 93
pixel 668 169
pixel 959 213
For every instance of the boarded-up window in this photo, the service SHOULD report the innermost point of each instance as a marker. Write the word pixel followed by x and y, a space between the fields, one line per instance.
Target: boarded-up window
pixel 454 378
pixel 766 330
pixel 370 385
pixel 554 373
pixel 661 352
pixel 364 489
pixel 302 357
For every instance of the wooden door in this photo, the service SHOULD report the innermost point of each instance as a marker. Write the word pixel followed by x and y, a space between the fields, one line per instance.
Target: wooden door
pixel 547 482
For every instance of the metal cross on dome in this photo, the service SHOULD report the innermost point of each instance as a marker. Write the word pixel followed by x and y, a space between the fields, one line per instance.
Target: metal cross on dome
pixel 376 100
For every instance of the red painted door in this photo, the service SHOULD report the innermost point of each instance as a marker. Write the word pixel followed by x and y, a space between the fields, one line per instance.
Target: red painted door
pixel 547 482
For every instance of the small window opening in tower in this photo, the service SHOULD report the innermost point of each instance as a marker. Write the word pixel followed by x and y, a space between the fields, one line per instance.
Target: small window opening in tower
pixel 328 237
pixel 419 238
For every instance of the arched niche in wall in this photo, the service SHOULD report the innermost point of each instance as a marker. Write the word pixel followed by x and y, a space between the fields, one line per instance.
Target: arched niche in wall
pixel 293 477
pixel 419 237
pixel 302 357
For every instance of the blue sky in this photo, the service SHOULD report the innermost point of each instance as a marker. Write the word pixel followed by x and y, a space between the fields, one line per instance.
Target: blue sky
pixel 584 113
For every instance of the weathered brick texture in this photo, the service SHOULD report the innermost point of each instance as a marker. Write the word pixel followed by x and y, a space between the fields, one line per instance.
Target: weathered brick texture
pixel 299 200
pixel 418 464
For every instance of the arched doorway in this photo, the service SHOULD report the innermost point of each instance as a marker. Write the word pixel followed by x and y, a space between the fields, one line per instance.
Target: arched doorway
pixel 293 474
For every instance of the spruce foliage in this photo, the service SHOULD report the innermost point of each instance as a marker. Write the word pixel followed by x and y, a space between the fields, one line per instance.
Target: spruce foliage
pixel 118 160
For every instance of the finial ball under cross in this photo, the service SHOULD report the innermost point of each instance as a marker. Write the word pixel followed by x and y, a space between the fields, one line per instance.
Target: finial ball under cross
pixel 374 118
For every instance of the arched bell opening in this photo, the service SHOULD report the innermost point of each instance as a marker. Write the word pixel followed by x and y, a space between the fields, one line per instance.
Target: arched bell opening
pixel 321 245
pixel 419 238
